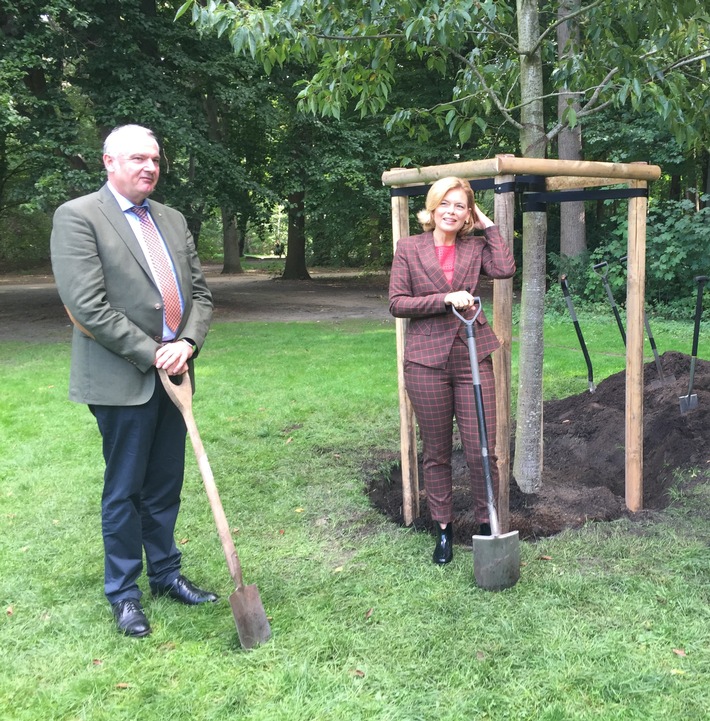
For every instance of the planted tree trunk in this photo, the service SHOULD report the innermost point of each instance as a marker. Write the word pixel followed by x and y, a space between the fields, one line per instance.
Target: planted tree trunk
pixel 527 467
pixel 295 267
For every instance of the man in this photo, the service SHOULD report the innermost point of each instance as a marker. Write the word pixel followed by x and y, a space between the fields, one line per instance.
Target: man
pixel 128 274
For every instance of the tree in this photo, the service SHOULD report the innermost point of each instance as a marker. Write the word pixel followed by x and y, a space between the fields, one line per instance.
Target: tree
pixel 527 464
pixel 209 108
pixel 72 71
pixel 233 139
pixel 41 142
pixel 640 53
pixel 326 172
pixel 573 241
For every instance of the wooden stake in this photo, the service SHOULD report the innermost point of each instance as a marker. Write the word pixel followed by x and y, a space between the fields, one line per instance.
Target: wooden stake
pixel 503 327
pixel 635 284
pixel 585 168
pixel 510 165
pixel 407 420
pixel 565 182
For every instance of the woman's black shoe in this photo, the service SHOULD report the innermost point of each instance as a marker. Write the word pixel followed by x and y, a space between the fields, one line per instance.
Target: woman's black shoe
pixel 444 551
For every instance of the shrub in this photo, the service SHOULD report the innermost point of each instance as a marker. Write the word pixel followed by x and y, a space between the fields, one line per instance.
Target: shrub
pixel 24 240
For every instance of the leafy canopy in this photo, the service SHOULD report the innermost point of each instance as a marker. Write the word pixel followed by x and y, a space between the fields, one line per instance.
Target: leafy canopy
pixel 644 54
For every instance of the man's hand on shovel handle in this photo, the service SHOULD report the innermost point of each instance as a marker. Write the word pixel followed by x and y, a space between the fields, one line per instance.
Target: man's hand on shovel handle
pixel 173 357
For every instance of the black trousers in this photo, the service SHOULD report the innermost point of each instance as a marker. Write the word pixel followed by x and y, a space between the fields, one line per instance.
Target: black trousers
pixel 144 450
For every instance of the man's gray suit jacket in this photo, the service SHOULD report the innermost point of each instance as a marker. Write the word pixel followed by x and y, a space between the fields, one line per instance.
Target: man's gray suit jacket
pixel 106 285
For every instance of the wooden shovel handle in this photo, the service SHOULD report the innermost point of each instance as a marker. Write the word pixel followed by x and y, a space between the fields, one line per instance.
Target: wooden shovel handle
pixel 181 396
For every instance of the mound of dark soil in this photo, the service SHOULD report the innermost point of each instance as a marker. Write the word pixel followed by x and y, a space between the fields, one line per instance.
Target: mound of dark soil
pixel 584 457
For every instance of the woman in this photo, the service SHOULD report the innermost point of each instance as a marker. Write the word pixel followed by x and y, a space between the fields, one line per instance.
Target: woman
pixel 430 272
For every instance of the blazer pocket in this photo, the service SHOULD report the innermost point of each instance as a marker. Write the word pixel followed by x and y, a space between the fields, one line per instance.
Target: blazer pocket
pixel 420 327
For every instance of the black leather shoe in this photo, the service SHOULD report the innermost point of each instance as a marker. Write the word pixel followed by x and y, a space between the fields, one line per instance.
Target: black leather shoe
pixel 484 529
pixel 130 618
pixel 184 591
pixel 444 551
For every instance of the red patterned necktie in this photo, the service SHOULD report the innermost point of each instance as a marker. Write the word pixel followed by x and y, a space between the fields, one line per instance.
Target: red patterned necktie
pixel 161 265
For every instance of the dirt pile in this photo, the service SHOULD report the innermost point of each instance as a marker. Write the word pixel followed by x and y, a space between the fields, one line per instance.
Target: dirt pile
pixel 584 456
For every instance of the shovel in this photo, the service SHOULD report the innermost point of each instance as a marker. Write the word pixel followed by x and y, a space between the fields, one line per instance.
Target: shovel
pixel 605 279
pixel 249 615
pixel 663 380
pixel 496 558
pixel 690 402
pixel 580 337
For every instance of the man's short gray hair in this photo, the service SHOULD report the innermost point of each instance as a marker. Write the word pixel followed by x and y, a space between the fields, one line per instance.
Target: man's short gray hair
pixel 115 138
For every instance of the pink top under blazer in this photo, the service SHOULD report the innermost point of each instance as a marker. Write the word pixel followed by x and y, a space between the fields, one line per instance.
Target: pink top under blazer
pixel 418 287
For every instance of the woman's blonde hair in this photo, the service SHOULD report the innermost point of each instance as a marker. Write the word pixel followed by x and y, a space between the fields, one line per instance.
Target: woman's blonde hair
pixel 436 194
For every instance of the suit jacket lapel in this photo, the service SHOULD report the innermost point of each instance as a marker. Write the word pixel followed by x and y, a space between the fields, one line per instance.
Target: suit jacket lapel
pixel 464 256
pixel 111 209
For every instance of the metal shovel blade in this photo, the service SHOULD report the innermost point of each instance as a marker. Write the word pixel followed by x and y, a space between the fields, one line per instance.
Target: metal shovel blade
pixel 249 615
pixel 496 561
pixel 688 403
pixel 660 383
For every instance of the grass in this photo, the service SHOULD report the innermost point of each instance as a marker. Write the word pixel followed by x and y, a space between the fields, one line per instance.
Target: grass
pixel 608 622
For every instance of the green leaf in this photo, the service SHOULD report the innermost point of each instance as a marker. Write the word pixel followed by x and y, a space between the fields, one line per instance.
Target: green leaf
pixel 183 9
pixel 465 131
pixel 571 116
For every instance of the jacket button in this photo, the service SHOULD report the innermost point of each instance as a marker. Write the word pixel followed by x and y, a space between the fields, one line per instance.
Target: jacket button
pixel 157 306
pixel 157 338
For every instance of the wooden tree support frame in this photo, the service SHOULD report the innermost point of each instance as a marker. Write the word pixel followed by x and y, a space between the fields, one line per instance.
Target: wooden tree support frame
pixel 559 175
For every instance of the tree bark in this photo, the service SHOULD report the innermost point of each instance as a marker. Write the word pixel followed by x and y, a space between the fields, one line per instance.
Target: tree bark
pixel 242 223
pixel 573 233
pixel 194 225
pixel 674 188
pixel 295 267
pixel 230 238
pixel 527 467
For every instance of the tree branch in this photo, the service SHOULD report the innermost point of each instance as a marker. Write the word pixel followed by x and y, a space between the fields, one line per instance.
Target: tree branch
pixel 505 38
pixel 351 38
pixel 688 60
pixel 598 90
pixel 492 95
pixel 554 132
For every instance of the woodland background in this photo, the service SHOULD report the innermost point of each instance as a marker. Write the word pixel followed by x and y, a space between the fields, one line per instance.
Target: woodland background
pixel 285 139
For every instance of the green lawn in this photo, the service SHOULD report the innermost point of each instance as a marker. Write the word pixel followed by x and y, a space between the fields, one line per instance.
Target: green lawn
pixel 608 622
